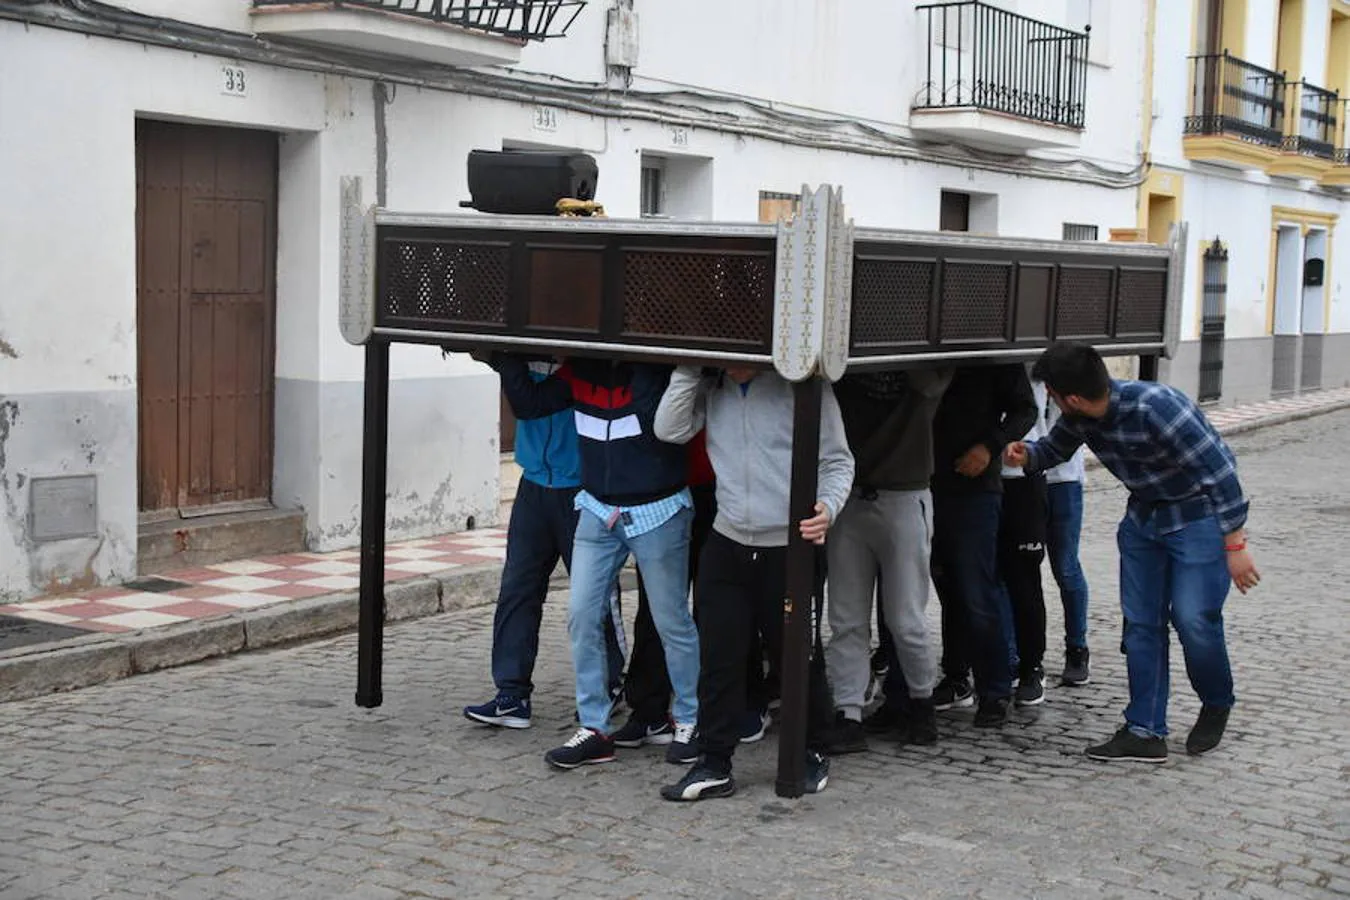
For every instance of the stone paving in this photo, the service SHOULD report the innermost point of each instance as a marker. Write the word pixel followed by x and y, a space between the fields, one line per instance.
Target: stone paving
pixel 255 775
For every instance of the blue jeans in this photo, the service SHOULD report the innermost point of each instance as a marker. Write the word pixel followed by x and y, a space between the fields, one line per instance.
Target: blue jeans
pixel 1180 578
pixel 1065 526
pixel 977 625
pixel 542 527
pixel 662 556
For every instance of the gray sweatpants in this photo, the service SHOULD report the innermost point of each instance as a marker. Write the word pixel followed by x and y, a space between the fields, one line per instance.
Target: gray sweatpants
pixel 891 537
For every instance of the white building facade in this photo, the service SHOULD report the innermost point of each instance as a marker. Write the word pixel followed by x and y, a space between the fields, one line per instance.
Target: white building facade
pixel 169 244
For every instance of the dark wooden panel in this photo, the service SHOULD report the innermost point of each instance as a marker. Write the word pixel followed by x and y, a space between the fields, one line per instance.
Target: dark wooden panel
pixel 565 289
pixel 975 298
pixel 1033 302
pixel 1142 304
pixel 892 300
pixel 1083 302
pixel 722 297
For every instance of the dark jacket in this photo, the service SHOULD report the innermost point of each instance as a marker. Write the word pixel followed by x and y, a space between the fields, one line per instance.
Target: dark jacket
pixel 888 417
pixel 622 462
pixel 989 405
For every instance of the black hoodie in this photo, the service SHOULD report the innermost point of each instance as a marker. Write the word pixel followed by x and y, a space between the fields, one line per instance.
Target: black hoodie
pixel 989 405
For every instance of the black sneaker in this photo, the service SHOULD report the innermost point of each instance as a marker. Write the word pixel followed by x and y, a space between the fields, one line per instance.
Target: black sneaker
pixel 953 693
pixel 846 736
pixel 636 733
pixel 817 772
pixel 1075 667
pixel 700 783
pixel 1126 746
pixel 683 747
pixel 993 712
pixel 880 665
pixel 885 721
pixel 1031 688
pixel 584 748
pixel 923 729
pixel 1208 730
pixel 753 726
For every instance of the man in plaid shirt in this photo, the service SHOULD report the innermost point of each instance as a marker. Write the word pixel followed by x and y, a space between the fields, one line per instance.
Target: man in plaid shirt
pixel 1182 541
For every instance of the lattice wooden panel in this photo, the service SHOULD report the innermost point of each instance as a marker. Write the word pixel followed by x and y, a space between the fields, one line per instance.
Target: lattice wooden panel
pixel 891 301
pixel 1083 303
pixel 1140 308
pixel 975 301
pixel 441 282
pixel 723 297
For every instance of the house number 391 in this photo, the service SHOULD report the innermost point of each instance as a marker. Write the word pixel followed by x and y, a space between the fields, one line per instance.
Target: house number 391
pixel 232 81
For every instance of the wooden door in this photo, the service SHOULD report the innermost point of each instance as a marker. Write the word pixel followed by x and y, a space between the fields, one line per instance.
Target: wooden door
pixel 205 314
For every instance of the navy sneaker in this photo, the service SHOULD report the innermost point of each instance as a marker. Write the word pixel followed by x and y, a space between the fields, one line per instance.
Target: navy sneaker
pixel 584 748
pixel 753 726
pixel 700 783
pixel 817 772
pixel 635 733
pixel 683 747
pixel 504 711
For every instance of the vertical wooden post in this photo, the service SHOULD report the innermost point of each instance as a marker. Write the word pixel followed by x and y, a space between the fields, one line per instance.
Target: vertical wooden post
pixel 374 472
pixel 1148 368
pixel 801 574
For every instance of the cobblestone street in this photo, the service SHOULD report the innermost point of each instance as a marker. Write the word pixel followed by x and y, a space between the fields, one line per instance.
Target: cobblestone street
pixel 256 776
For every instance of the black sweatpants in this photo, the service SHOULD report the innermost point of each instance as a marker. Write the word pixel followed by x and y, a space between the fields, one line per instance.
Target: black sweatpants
pixel 1021 549
pixel 740 591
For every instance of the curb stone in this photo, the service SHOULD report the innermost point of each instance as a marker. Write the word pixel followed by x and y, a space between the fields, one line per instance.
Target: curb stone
pixel 38 669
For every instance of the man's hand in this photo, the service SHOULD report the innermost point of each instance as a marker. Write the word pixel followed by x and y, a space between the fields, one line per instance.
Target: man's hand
pixel 1241 566
pixel 1015 455
pixel 814 528
pixel 974 461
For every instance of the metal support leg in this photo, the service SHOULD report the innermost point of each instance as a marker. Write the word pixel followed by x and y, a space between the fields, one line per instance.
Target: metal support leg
pixel 800 584
pixel 374 473
pixel 1148 368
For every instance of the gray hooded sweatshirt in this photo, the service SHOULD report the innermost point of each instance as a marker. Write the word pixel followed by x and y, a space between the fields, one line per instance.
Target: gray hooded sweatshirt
pixel 749 435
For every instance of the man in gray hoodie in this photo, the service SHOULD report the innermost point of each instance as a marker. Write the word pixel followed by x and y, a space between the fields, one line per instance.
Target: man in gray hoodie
pixel 742 573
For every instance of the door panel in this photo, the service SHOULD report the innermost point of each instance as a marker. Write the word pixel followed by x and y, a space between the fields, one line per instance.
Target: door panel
pixel 206 229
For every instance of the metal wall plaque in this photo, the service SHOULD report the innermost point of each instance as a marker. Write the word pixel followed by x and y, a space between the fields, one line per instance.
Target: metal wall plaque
pixel 63 507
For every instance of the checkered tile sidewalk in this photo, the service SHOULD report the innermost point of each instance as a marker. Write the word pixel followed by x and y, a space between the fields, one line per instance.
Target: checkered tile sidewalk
pixel 1251 412
pixel 247 583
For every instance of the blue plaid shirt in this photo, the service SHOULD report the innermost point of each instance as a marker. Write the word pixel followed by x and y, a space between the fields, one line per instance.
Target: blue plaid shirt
pixel 636 520
pixel 1160 445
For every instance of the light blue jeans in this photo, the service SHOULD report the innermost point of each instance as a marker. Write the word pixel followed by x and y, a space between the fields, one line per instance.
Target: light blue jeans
pixel 663 557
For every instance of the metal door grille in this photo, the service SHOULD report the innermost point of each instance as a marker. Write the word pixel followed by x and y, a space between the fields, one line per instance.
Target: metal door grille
pixel 1213 317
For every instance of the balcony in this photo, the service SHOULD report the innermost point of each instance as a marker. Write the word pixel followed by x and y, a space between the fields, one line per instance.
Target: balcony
pixel 1310 144
pixel 1339 174
pixel 448 32
pixel 1000 80
pixel 1237 113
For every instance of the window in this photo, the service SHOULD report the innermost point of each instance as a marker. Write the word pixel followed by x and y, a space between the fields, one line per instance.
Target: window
pixel 955 212
pixel 652 200
pixel 776 207
pixel 962 211
pixel 1074 232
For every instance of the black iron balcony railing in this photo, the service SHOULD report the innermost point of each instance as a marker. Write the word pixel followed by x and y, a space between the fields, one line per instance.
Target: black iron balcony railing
pixel 1316 132
pixel 1232 97
pixel 986 58
pixel 526 20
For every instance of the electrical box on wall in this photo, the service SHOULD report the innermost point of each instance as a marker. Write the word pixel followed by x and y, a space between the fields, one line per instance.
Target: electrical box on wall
pixel 621 36
pixel 1312 272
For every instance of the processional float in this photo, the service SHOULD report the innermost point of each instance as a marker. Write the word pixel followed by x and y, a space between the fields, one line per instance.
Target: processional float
pixel 810 297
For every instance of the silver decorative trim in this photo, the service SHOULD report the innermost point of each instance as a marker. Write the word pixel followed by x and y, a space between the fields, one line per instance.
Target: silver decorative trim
pixel 1176 288
pixel 1002 354
pixel 575 225
pixel 839 291
pixel 356 279
pixel 512 341
pixel 802 293
pixel 979 242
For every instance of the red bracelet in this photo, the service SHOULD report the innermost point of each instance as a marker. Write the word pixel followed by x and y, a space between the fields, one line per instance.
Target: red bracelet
pixel 1235 548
